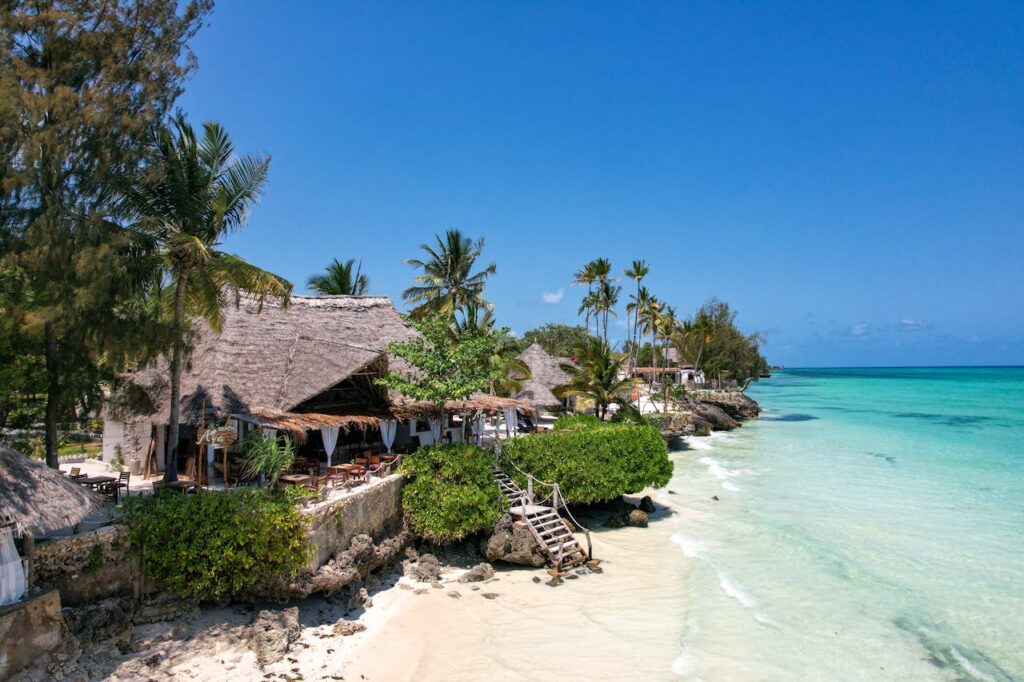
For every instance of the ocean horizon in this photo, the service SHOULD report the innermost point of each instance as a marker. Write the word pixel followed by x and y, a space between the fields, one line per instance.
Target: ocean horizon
pixel 869 524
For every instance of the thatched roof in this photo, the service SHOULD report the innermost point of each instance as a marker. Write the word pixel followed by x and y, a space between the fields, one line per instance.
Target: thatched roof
pixel 273 358
pixel 546 375
pixel 298 423
pixel 41 500
pixel 490 405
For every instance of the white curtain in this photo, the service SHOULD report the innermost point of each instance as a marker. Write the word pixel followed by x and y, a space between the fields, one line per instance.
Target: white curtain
pixel 330 436
pixel 426 438
pixel 435 429
pixel 12 573
pixel 270 433
pixel 476 427
pixel 388 429
pixel 511 421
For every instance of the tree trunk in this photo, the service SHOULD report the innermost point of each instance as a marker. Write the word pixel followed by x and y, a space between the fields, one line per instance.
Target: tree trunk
pixel 5 410
pixel 53 395
pixel 171 458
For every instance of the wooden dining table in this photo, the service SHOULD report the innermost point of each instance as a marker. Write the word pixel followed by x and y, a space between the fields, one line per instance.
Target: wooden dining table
pixel 95 481
pixel 295 479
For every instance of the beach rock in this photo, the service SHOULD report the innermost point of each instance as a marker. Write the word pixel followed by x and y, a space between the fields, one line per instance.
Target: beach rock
pixel 359 600
pixel 477 573
pixel 647 505
pixel 272 634
pixel 637 519
pixel 734 403
pixel 489 595
pixel 426 569
pixel 344 628
pixel 108 620
pixel 455 595
pixel 554 582
pixel 615 521
pixel 716 416
pixel 512 542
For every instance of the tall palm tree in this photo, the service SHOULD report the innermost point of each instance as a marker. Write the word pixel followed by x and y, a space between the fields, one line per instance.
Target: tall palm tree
pixel 195 193
pixel 339 279
pixel 448 281
pixel 602 275
pixel 473 319
pixel 607 297
pixel 639 305
pixel 636 272
pixel 595 376
pixel 649 320
pixel 586 275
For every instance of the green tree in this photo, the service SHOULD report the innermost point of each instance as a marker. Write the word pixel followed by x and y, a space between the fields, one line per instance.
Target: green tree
pixel 595 376
pixel 714 343
pixel 341 280
pixel 558 340
pixel 636 272
pixel 195 193
pixel 448 281
pixel 81 83
pixel 445 367
pixel 511 372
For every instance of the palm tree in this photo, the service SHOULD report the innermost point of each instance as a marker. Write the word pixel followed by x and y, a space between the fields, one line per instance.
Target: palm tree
pixel 448 281
pixel 602 273
pixel 639 307
pixel 473 320
pixel 340 280
pixel 637 271
pixel 596 376
pixel 194 194
pixel 649 320
pixel 586 275
pixel 607 297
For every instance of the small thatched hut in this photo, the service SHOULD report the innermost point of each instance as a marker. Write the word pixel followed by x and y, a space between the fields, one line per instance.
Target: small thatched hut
pixel 40 500
pixel 547 374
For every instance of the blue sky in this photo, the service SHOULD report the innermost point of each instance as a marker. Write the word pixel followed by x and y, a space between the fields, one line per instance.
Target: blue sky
pixel 850 177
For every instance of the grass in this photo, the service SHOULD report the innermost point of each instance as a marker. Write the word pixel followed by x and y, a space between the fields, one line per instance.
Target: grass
pixel 87 449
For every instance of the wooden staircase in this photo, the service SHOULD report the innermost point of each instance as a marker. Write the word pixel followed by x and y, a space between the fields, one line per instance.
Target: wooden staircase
pixel 550 530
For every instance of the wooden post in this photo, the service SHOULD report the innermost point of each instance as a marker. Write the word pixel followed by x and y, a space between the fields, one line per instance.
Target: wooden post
pixel 529 487
pixel 28 544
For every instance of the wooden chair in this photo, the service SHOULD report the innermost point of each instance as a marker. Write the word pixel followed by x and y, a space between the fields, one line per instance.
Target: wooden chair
pixel 122 482
pixel 76 472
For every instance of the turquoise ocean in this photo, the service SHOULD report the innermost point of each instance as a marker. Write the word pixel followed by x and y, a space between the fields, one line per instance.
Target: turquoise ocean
pixel 870 525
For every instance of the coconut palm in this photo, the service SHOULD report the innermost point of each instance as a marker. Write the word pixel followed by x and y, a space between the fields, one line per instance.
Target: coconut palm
pixel 448 281
pixel 636 272
pixel 607 297
pixel 586 275
pixel 649 320
pixel 339 279
pixel 195 193
pixel 595 376
pixel 474 320
pixel 638 306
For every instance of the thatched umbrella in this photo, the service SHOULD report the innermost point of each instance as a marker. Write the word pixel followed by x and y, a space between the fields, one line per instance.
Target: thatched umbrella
pixel 40 500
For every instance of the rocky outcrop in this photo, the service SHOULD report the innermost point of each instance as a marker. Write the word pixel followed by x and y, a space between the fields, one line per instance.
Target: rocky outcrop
pixel 109 620
pixel 424 568
pixel 718 418
pixel 647 504
pixel 272 633
pixel 512 542
pixel 349 567
pixel 477 574
pixel 637 518
pixel 734 403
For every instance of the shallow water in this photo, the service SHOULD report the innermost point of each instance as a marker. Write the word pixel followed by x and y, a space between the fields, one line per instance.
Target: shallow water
pixel 869 526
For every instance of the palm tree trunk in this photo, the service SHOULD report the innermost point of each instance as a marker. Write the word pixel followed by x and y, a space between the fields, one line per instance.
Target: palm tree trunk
pixel 53 395
pixel 700 351
pixel 171 459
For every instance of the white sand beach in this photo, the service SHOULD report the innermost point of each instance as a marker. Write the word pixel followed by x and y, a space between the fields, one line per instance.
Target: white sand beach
pixel 622 622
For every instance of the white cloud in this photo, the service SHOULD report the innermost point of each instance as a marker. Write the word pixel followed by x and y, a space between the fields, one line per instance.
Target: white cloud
pixel 553 297
pixel 861 329
pixel 912 326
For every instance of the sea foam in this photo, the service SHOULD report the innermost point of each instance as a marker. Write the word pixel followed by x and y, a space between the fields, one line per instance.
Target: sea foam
pixel 691 548
pixel 715 468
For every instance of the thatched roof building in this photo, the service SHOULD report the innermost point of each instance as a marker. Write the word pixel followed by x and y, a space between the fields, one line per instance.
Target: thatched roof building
pixel 296 368
pixel 272 359
pixel 40 500
pixel 547 374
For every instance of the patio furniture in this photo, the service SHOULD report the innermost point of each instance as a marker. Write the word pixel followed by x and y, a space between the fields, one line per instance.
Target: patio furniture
pixel 95 482
pixel 294 479
pixel 75 473
pixel 122 482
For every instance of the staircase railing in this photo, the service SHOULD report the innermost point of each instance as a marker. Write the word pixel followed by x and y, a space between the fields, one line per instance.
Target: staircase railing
pixel 557 502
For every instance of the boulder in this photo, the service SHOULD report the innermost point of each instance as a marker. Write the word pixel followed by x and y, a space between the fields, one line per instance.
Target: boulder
pixel 360 599
pixel 426 569
pixel 647 505
pixel 478 573
pixel 734 403
pixel 637 519
pixel 512 542
pixel 344 628
pixel 108 620
pixel 272 634
pixel 716 416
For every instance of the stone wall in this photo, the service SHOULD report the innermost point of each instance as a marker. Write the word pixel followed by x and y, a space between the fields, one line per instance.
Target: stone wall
pixel 87 567
pixel 375 511
pixel 29 629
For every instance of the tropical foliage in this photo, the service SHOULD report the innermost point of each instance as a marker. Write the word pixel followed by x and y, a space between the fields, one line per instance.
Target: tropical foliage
pixel 595 376
pixel 592 462
pixel 267 456
pixel 446 367
pixel 195 193
pixel 714 344
pixel 509 371
pixel 448 281
pixel 214 546
pixel 450 492
pixel 559 340
pixel 574 422
pixel 341 279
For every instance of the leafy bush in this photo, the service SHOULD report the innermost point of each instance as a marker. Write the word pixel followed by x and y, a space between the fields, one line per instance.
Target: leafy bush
pixel 268 456
pixel 450 492
pixel 592 464
pixel 576 421
pixel 628 414
pixel 214 545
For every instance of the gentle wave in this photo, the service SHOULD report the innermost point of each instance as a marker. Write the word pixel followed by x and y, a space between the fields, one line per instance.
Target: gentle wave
pixel 735 591
pixel 691 548
pixel 716 468
pixel 730 486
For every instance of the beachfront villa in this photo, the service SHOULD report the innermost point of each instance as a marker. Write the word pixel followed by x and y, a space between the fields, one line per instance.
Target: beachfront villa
pixel 306 367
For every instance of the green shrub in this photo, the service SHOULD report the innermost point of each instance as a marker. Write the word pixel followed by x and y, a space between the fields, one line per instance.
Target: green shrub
pixel 268 456
pixel 576 421
pixel 628 414
pixel 450 492
pixel 214 545
pixel 592 464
